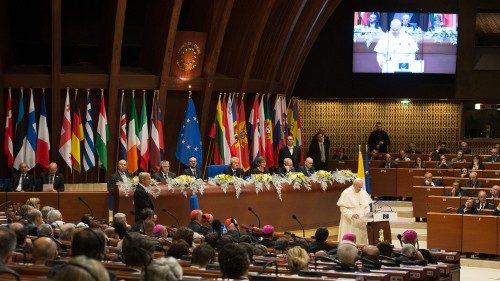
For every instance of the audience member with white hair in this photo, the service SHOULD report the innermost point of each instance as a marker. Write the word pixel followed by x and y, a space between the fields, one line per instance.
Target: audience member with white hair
pixel 163 269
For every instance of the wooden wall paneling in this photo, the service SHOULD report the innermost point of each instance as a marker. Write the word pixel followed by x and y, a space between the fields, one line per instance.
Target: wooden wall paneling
pixel 113 100
pixel 254 43
pixel 55 97
pixel 310 23
pixel 278 29
pixel 85 80
pixel 215 37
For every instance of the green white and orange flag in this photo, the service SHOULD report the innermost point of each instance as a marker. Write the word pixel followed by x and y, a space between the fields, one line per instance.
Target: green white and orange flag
pixel 222 153
pixel 76 137
pixel 133 139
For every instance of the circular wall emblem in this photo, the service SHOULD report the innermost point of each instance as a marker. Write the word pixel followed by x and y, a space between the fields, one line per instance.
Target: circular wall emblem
pixel 188 56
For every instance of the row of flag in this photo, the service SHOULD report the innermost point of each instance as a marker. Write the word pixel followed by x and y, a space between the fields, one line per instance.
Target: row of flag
pixel 268 129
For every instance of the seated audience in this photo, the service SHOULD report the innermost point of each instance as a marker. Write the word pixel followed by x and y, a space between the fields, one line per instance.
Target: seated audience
pixel 231 229
pixel 286 168
pixel 464 173
pixel 495 192
pixel 494 157
pixel 319 243
pixel 403 156
pixel 477 163
pixel 233 261
pixel 339 154
pixel 90 243
pixel 45 230
pixel 297 259
pixel 467 208
pixel 388 163
pixel 260 166
pixel 53 216
pixel 410 256
pixel 374 155
pixel 34 202
pixel 67 232
pixel 372 254
pixel 464 147
pixel 473 181
pixel 196 221
pixel 385 248
pixel 185 234
pixel 410 237
pixel 22 180
pixel 459 158
pixel 7 246
pixel 496 211
pixel 44 249
pixel 234 169
pixel 178 249
pixel 35 219
pixel 347 254
pixel 267 236
pixel 418 164
pixel 281 245
pixel 443 163
pixel 429 181
pixel 440 150
pixel 412 149
pixel 349 236
pixel 121 217
pixel 308 168
pixel 203 254
pixel 483 204
pixel 52 176
pixel 164 174
pixel 162 269
pixel 82 268
pixel 137 250
pixel 45 211
pixel 457 191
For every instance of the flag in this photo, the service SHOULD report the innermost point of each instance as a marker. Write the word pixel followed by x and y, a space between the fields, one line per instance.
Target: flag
pixel 65 139
pixel 122 131
pixel 88 144
pixel 222 153
pixel 294 126
pixel 243 136
pixel 133 141
pixel 76 136
pixel 231 123
pixel 30 148
pixel 225 122
pixel 262 127
pixel 156 145
pixel 43 140
pixel 189 141
pixel 253 119
pixel 144 136
pixel 102 136
pixel 279 132
pixel 20 134
pixel 268 133
pixel 368 184
pixel 361 166
pixel 8 147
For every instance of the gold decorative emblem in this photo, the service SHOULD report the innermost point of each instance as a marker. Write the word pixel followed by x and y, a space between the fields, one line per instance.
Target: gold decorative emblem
pixel 188 56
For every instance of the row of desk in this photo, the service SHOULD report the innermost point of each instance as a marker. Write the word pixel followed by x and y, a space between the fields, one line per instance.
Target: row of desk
pixel 71 207
pixel 314 208
pixel 463 233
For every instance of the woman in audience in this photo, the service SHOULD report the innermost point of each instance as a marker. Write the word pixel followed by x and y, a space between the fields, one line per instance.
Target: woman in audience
pixel 297 259
pixel 477 163
pixel 464 173
pixel 82 268
pixel 34 202
pixel 233 261
pixel 261 166
pixel 163 269
pixel 418 164
pixel 459 158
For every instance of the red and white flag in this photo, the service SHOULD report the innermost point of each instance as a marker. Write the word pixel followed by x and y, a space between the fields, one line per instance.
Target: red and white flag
pixel 144 136
pixel 65 139
pixel 156 143
pixel 43 140
pixel 8 147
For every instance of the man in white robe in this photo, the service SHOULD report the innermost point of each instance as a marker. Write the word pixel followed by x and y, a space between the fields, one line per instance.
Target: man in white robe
pixel 395 46
pixel 354 203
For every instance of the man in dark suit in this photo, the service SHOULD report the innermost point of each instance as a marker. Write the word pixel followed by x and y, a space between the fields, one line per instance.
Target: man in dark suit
pixel 22 181
pixel 379 139
pixel 467 208
pixel 429 181
pixel 494 157
pixel 192 170
pixel 286 168
pixel 52 177
pixel 483 204
pixel 473 181
pixel 319 152
pixel 234 169
pixel 388 162
pixel 308 168
pixel 120 176
pixel 290 151
pixel 164 173
pixel 141 196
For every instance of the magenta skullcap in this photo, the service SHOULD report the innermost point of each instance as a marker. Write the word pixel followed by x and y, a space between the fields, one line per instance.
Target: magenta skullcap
pixel 410 235
pixel 267 229
pixel 158 229
pixel 349 236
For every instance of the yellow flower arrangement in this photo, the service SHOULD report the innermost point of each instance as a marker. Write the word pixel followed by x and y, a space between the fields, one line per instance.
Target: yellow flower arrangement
pixel 186 183
pixel 224 181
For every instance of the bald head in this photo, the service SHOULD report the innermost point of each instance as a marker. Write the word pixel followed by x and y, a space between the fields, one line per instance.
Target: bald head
pixel 44 249
pixel 52 168
pixel 370 252
pixel 122 166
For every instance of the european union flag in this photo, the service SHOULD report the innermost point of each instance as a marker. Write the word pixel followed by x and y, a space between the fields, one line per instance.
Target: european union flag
pixel 189 141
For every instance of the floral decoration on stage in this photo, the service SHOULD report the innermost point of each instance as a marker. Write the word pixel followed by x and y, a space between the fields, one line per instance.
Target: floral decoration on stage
pixel 260 181
pixel 186 183
pixel 128 185
pixel 323 178
pixel 343 176
pixel 224 181
pixel 154 189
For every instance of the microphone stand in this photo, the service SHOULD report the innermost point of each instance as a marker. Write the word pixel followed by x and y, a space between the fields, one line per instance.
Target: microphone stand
pixel 176 219
pixel 301 226
pixel 270 263
pixel 85 203
pixel 255 214
pixel 237 228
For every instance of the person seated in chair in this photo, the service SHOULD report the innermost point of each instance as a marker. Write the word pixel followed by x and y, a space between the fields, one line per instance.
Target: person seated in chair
pixel 370 258
pixel 347 253
pixel 429 181
pixel 388 162
pixel 192 170
pixel 22 181
pixel 459 158
pixel 308 168
pixel 261 166
pixel 496 211
pixel 410 256
pixel 164 173
pixel 52 176
pixel 403 156
pixel 234 169
pixel 477 164
pixel 410 236
pixel 286 168
pixel 483 204
pixel 473 181
pixel 468 208
pixel 457 191
pixel 319 243
pixel 495 192
pixel 494 157
pixel 443 163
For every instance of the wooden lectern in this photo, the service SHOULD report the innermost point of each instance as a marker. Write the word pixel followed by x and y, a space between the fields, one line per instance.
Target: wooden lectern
pixel 378 225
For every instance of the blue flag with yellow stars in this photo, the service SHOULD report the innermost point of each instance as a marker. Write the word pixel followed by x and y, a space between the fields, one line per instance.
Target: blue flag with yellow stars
pixel 189 141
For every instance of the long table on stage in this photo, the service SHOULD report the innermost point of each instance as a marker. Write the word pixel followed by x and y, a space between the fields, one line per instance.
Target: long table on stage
pixel 314 208
pixel 67 202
